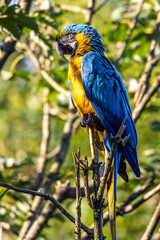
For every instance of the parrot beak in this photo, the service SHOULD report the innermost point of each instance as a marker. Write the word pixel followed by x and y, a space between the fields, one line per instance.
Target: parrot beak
pixel 61 50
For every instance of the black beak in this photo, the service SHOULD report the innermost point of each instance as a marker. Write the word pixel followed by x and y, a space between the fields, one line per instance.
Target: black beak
pixel 61 50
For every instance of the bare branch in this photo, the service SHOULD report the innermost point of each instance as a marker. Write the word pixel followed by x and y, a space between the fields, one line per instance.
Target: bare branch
pixel 86 185
pixel 93 145
pixel 53 153
pixel 90 11
pixel 4 193
pixel 78 197
pixel 97 204
pixel 100 6
pixel 65 141
pixel 70 8
pixel 7 226
pixel 157 235
pixel 95 164
pixel 130 207
pixel 145 77
pixel 51 177
pixel 131 28
pixel 142 189
pixel 152 224
pixel 45 140
pixel 147 97
pixel 109 162
pixel 46 196
pixel 44 73
pixel 74 9
pixel 54 84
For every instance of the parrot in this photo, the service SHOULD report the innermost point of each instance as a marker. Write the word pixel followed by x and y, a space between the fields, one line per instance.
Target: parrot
pixel 99 94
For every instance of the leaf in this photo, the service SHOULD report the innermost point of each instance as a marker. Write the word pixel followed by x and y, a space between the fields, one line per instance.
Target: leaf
pixel 8 25
pixel 13 17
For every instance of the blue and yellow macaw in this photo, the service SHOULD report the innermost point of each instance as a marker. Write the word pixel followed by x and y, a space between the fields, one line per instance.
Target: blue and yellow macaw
pixel 99 95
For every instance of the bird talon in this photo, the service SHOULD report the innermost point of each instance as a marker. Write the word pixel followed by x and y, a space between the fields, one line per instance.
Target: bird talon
pixel 87 120
pixel 119 140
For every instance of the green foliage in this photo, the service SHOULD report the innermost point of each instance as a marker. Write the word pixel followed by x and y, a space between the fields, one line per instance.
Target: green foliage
pixel 11 18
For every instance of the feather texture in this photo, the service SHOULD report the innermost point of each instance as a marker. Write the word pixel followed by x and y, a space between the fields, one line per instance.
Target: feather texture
pixel 104 88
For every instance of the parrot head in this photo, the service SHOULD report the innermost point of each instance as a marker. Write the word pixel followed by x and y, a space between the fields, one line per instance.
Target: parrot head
pixel 78 39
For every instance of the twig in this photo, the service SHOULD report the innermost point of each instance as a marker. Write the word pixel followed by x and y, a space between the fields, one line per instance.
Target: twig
pixel 44 73
pixel 51 177
pixel 45 140
pixel 129 207
pixel 140 107
pixel 54 84
pixel 78 197
pixel 86 186
pixel 90 11
pixel 152 224
pixel 131 28
pixel 4 193
pixel 53 153
pixel 74 9
pixel 41 164
pixel 95 165
pixel 109 162
pixel 157 235
pixel 49 197
pixel 97 204
pixel 147 196
pixel 144 79
pixel 142 189
pixel 100 6
pixel 7 226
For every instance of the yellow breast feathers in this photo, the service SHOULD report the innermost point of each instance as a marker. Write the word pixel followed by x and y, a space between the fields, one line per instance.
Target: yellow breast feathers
pixel 74 75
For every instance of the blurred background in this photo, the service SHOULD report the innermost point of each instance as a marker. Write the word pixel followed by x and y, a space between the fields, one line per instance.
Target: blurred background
pixel 28 92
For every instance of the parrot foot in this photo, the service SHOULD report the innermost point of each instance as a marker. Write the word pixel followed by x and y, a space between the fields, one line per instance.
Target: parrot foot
pixel 120 141
pixel 87 120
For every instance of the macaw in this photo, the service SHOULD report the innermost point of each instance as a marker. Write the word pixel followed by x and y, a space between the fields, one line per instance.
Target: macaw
pixel 98 92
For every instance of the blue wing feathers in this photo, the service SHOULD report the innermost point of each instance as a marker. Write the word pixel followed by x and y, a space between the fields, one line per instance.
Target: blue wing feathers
pixel 104 88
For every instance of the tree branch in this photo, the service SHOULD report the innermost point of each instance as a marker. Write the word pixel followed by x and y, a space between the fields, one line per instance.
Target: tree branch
pixel 147 97
pixel 100 6
pixel 74 9
pixel 45 140
pixel 49 197
pixel 109 162
pixel 135 195
pixel 78 197
pixel 44 73
pixel 132 26
pixel 51 177
pixel 151 62
pixel 127 207
pixel 7 226
pixel 90 11
pixel 152 224
pixel 86 185
pixel 54 84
